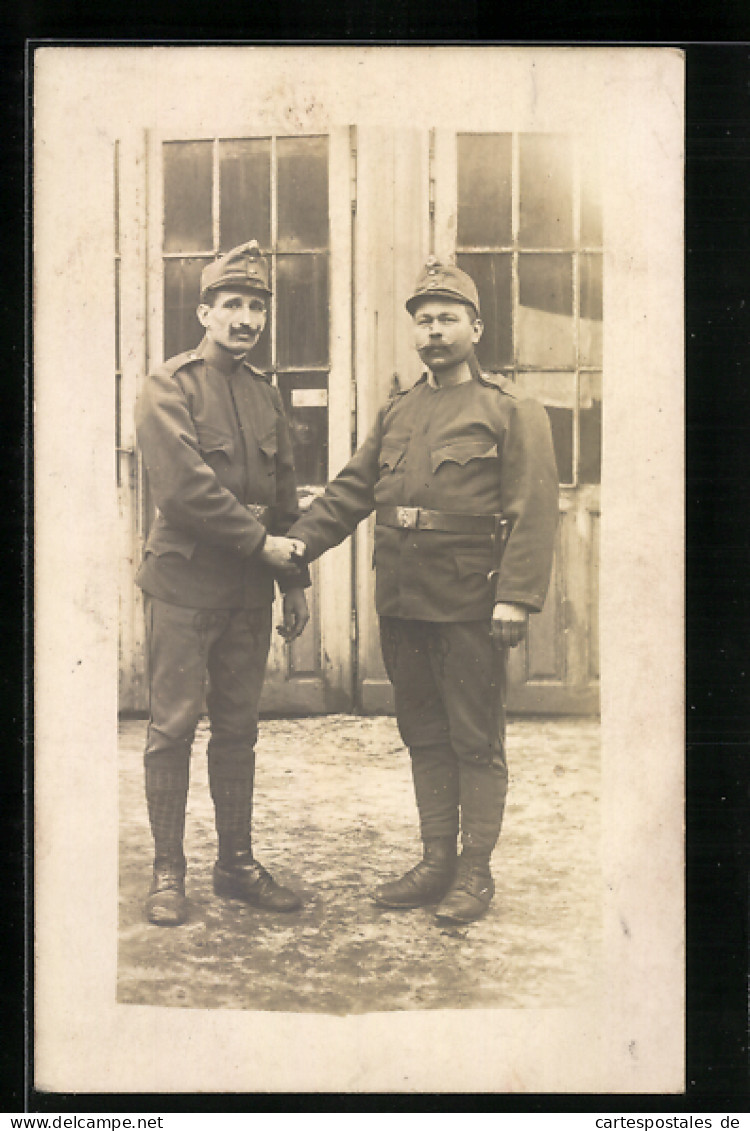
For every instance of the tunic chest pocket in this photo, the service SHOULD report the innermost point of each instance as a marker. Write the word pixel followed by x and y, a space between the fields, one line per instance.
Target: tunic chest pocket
pixel 213 441
pixel 461 452
pixel 391 455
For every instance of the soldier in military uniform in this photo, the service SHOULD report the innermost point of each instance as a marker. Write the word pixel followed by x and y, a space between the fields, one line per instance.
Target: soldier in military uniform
pixel 461 474
pixel 219 459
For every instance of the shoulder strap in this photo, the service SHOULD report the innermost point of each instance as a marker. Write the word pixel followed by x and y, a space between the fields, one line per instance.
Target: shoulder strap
pixel 258 373
pixel 500 382
pixel 171 366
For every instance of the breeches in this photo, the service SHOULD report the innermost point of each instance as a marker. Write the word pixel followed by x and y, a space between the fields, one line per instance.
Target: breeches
pixel 212 656
pixel 449 682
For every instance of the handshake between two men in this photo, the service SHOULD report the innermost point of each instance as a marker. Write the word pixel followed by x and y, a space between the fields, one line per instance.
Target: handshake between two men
pixel 284 555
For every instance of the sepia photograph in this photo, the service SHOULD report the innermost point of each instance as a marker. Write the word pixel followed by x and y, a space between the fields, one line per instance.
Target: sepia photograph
pixel 356 766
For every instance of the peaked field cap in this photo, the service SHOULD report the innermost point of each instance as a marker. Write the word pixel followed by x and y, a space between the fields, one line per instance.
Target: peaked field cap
pixel 243 266
pixel 443 280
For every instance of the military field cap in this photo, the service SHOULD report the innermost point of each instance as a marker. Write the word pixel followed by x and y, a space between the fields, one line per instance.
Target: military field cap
pixel 243 266
pixel 443 280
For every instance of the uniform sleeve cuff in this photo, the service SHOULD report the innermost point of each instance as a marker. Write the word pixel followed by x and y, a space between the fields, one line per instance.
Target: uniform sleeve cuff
pixel 300 579
pixel 532 601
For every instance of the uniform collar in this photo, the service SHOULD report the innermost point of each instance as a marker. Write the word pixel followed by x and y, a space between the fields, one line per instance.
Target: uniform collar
pixel 434 385
pixel 218 358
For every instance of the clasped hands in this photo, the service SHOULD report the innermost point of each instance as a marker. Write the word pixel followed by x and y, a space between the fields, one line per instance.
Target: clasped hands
pixel 282 554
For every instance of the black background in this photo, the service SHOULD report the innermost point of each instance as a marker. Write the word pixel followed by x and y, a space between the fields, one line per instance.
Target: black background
pixel 717 261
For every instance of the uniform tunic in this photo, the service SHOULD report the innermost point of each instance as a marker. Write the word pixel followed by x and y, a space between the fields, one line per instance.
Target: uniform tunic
pixel 218 453
pixel 479 447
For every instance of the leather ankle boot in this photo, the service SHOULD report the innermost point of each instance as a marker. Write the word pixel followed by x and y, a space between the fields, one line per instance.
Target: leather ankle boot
pixel 427 882
pixel 166 905
pixel 471 892
pixel 239 876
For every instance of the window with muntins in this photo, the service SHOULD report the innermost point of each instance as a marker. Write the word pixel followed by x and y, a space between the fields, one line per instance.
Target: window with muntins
pixel 529 232
pixel 223 192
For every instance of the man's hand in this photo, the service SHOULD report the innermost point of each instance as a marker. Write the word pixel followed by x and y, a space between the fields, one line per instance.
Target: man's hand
pixel 282 554
pixel 509 624
pixel 296 615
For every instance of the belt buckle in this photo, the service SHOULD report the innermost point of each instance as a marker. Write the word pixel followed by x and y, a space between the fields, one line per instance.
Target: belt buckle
pixel 407 517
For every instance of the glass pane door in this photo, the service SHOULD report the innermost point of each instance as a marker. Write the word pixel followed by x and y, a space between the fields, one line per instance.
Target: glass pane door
pixel 222 192
pixel 529 232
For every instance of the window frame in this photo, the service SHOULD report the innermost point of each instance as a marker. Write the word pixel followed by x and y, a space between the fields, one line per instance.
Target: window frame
pixel 162 256
pixel 444 239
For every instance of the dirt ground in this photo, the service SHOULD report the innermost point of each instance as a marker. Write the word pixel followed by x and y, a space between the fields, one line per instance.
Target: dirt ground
pixel 335 815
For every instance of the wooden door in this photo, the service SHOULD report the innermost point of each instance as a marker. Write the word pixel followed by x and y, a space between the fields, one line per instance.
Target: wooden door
pixel 392 240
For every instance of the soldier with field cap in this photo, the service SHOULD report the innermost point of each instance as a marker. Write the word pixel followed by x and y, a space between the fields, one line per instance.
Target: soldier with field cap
pixel 460 472
pixel 219 458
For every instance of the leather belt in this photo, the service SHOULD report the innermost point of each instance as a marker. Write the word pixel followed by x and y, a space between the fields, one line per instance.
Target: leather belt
pixel 417 518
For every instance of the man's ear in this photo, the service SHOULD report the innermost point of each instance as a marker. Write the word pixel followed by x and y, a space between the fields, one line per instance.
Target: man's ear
pixel 203 312
pixel 478 328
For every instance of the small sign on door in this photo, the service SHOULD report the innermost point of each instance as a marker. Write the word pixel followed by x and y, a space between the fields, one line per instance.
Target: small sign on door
pixel 309 398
